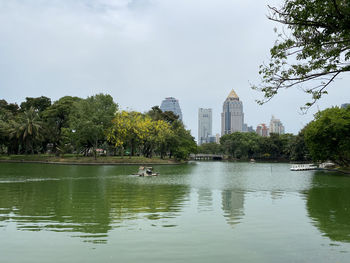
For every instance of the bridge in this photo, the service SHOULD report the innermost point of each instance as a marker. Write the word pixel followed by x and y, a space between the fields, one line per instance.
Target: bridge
pixel 206 157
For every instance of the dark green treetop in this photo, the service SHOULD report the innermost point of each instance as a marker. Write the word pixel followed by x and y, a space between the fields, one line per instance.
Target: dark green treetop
pixel 328 136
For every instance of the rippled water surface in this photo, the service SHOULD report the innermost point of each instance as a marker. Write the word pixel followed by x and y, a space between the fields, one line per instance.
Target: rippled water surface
pixel 198 212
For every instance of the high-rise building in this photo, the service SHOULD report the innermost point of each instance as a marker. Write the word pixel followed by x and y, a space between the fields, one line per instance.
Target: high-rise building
pixel 262 130
pixel 232 117
pixel 204 125
pixel 276 126
pixel 171 104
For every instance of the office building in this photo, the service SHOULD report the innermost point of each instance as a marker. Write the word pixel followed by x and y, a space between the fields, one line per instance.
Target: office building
pixel 204 125
pixel 262 130
pixel 232 117
pixel 171 104
pixel 276 126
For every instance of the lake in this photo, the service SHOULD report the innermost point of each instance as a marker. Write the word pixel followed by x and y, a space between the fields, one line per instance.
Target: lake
pixel 197 212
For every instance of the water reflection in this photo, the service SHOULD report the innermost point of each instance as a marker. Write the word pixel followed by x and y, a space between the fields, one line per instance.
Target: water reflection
pixel 205 200
pixel 328 204
pixel 233 206
pixel 89 202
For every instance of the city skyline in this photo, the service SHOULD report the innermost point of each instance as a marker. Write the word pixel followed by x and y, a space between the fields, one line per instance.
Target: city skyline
pixel 127 50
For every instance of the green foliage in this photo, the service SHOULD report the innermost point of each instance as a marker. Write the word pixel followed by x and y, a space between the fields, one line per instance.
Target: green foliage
pixel 182 144
pixel 328 136
pixel 38 104
pixel 56 119
pixel 298 148
pixel 90 119
pixel 28 130
pixel 75 125
pixel 210 148
pixel 240 145
pixel 315 48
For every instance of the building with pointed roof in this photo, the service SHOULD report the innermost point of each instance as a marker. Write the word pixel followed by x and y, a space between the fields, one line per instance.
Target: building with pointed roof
pixel 232 116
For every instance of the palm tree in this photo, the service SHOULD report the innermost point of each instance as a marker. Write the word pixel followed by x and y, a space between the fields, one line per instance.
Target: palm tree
pixel 27 129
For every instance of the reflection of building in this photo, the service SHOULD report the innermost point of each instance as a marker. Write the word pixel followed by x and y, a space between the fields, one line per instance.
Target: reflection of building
pixel 233 206
pixel 205 199
pixel 232 117
pixel 276 126
pixel 171 104
pixel 262 130
pixel 204 125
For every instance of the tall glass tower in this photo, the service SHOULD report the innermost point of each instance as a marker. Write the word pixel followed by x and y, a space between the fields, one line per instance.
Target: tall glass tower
pixel 204 125
pixel 232 117
pixel 171 104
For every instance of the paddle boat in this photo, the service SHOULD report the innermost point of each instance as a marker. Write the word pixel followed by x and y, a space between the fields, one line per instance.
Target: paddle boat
pixel 146 171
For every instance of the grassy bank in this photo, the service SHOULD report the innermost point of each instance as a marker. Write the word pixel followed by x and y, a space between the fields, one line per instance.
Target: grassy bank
pixel 77 159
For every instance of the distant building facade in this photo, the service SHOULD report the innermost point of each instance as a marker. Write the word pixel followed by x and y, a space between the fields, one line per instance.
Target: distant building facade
pixel 204 125
pixel 247 128
pixel 262 130
pixel 276 126
pixel 171 104
pixel 232 117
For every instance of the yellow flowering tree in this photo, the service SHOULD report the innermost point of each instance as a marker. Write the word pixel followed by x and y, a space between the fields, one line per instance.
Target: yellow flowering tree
pixel 128 128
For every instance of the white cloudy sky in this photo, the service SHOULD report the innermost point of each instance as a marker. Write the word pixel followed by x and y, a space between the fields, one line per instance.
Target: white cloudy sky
pixel 141 51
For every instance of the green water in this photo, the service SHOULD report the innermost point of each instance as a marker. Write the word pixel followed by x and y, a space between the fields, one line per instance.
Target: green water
pixel 199 212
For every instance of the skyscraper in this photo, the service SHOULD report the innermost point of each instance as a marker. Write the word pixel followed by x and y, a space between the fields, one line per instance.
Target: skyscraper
pixel 232 117
pixel 204 125
pixel 262 130
pixel 276 126
pixel 171 104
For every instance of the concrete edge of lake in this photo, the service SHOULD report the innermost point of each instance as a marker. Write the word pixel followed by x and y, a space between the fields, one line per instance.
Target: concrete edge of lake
pixel 91 163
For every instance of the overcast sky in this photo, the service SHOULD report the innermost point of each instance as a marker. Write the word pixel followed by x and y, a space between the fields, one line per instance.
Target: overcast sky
pixel 141 51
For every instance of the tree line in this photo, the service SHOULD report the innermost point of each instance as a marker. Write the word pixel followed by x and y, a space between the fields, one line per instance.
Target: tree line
pixel 76 125
pixel 249 145
pixel 327 137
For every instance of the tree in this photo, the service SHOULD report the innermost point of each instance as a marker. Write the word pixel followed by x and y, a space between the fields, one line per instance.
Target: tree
pixel 298 148
pixel 28 129
pixel 239 144
pixel 158 134
pixel 182 144
pixel 210 148
pixel 90 120
pixel 128 129
pixel 328 136
pixel 314 50
pixel 39 104
pixel 57 118
pixel 157 114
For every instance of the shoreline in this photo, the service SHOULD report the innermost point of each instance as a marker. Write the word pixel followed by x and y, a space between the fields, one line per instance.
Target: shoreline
pixel 87 164
pixel 88 161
